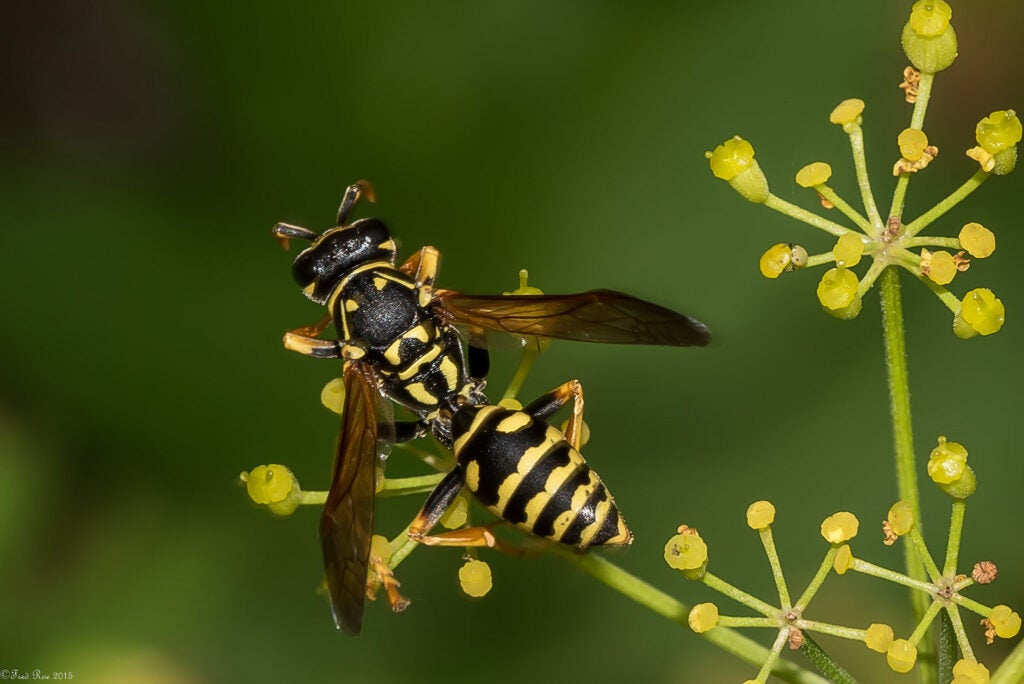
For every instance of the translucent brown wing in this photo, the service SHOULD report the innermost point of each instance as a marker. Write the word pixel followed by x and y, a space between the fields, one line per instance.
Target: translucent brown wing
pixel 595 316
pixel 347 521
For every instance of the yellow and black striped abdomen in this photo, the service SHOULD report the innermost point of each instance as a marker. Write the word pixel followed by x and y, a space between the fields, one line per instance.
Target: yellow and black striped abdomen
pixel 524 471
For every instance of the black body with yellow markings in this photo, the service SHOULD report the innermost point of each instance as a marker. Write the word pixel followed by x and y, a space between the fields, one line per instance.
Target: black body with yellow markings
pixel 525 472
pixel 398 338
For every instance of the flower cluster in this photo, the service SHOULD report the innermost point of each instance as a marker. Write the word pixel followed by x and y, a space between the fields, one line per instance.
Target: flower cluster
pixel 931 45
pixel 688 553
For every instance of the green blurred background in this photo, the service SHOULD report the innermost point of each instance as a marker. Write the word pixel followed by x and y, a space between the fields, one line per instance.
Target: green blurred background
pixel 148 149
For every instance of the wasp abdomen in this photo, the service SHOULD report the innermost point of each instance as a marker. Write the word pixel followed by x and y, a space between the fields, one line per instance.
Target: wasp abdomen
pixel 524 471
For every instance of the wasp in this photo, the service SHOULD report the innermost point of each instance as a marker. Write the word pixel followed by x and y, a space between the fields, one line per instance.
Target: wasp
pixel 400 340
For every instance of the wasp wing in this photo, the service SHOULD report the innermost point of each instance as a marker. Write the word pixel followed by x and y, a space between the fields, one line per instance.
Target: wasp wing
pixel 346 524
pixel 595 316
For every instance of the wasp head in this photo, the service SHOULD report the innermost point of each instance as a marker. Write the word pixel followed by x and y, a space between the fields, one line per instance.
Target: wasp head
pixel 336 252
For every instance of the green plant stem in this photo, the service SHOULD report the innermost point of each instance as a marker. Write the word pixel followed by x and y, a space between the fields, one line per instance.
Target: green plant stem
pixel 925 623
pixel 903 439
pixel 924 93
pixel 738 595
pixel 971 605
pixel 947 242
pixel 924 554
pixel 863 566
pixel 839 203
pixel 401 486
pixel 947 649
pixel 530 353
pixel 819 578
pixel 832 630
pixel 856 134
pixel 661 603
pixel 773 560
pixel 956 529
pixel 808 217
pixel 961 634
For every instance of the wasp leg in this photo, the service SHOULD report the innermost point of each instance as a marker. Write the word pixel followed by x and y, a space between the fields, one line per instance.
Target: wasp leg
pixel 304 340
pixel 437 503
pixel 546 405
pixel 385 578
pixel 361 188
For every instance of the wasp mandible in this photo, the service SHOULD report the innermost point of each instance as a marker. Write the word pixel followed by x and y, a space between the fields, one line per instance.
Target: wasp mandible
pixel 399 339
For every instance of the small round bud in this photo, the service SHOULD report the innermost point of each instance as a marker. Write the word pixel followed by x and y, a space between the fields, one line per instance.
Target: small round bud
pixel 998 134
pixel 813 175
pixel 733 161
pixel 332 396
pixel 775 260
pixel 686 552
pixel 878 637
pixel 940 267
pixel 847 112
pixel 962 488
pixel 901 655
pixel 981 313
pixel 970 671
pixel 457 513
pixel 475 578
pixel 947 462
pixel 1005 621
pixel 703 617
pixel 760 515
pixel 978 240
pixel 901 518
pixel 912 143
pixel 843 559
pixel 848 250
pixel 273 486
pixel 928 37
pixel 840 527
pixel 838 288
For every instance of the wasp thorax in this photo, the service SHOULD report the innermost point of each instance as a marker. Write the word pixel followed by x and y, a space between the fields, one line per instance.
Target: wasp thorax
pixel 337 252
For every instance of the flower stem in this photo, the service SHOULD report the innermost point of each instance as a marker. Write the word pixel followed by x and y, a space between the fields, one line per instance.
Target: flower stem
pixel 808 217
pixel 1012 669
pixel 859 162
pixel 957 196
pixel 956 529
pixel 903 439
pixel 661 603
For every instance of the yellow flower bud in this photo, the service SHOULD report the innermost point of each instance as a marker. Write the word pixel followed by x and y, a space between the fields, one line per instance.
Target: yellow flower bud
pixel 775 260
pixel 1005 621
pixel 838 288
pixel 998 135
pixel 940 267
pixel 475 578
pixel 843 559
pixel 901 518
pixel 848 250
pixel 978 240
pixel 847 112
pixel 703 617
pixel 840 527
pixel 733 161
pixel 686 552
pixel 912 143
pixel 928 37
pixel 878 637
pixel 332 396
pixel 981 313
pixel 947 462
pixel 813 175
pixel 273 486
pixel 457 513
pixel 972 671
pixel 760 515
pixel 901 655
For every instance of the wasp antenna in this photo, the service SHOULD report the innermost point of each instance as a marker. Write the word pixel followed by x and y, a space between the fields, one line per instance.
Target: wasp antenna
pixel 353 193
pixel 284 231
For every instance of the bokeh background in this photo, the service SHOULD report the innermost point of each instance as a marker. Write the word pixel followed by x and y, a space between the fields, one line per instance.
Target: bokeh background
pixel 149 147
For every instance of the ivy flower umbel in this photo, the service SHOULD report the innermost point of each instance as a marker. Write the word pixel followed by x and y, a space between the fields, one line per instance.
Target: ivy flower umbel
pixel 887 241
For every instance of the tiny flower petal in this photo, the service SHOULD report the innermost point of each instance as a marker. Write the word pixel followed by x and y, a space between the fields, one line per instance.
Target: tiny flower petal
pixel 901 655
pixel 847 111
pixel 978 240
pixel 775 260
pixel 267 484
pixel 843 559
pixel 760 515
pixel 982 311
pixel 940 267
pixel 912 143
pixel 1005 621
pixel 837 288
pixel 947 462
pixel 703 617
pixel 848 250
pixel 332 396
pixel 840 527
pixel 998 131
pixel 972 671
pixel 686 552
pixel 878 637
pixel 475 578
pixel 928 38
pixel 901 518
pixel 813 175
pixel 733 161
